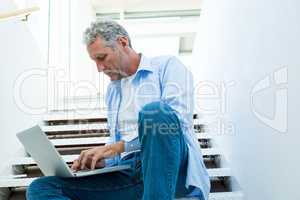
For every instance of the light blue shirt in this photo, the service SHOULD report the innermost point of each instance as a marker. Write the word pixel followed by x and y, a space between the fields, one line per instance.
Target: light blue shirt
pixel 165 79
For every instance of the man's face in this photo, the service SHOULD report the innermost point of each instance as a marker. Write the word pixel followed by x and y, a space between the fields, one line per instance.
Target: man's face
pixel 113 62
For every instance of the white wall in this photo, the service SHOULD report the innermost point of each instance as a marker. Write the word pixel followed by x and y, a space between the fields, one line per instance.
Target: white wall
pixel 77 75
pixel 82 67
pixel 38 23
pixel 241 43
pixel 19 54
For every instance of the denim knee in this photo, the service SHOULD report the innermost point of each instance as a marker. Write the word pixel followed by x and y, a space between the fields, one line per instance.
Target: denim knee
pixel 159 117
pixel 42 184
pixel 156 109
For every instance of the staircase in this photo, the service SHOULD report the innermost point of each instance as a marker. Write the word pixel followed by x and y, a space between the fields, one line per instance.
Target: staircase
pixel 72 131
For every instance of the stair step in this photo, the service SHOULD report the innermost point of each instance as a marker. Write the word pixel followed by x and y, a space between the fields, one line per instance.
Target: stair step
pixel 84 128
pixel 219 172
pixel 220 196
pixel 20 195
pixel 80 141
pixel 77 135
pixel 202 136
pixel 89 128
pixel 24 182
pixel 15 182
pixel 75 127
pixel 82 114
pixel 76 115
pixel 226 195
pixel 100 140
pixel 71 158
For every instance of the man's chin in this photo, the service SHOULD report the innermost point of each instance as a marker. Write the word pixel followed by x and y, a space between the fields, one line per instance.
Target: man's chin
pixel 114 77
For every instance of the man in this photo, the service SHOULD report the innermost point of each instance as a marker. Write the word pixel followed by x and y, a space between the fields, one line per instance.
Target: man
pixel 150 118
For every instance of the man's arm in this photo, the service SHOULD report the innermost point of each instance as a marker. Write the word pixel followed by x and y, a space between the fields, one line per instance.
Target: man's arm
pixel 178 90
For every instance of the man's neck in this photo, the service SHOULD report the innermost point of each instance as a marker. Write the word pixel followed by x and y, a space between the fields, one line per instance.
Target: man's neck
pixel 136 59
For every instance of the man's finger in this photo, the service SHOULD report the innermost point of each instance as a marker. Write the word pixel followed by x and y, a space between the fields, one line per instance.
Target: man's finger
pixel 96 157
pixel 75 165
pixel 81 155
pixel 100 155
pixel 85 158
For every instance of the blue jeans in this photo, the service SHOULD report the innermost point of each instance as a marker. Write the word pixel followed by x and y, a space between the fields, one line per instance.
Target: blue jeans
pixel 158 172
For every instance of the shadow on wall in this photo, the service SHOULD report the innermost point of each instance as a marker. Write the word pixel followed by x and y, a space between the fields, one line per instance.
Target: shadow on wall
pixel 255 45
pixel 19 53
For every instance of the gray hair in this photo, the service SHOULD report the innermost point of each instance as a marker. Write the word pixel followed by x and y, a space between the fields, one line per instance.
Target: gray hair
pixel 107 30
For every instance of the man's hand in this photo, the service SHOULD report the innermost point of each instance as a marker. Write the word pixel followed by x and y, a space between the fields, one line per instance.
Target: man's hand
pixel 76 166
pixel 94 158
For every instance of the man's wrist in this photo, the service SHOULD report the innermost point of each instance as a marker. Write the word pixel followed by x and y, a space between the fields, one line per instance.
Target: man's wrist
pixel 119 147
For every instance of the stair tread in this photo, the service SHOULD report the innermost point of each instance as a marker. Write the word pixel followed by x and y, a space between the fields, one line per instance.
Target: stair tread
pixel 74 127
pixel 75 106
pixel 24 182
pixel 199 136
pixel 237 195
pixel 70 158
pixel 99 140
pixel 219 172
pixel 221 196
pixel 76 115
pixel 80 141
pixel 82 114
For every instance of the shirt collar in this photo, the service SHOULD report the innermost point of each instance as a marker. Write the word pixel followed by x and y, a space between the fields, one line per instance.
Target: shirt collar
pixel 145 64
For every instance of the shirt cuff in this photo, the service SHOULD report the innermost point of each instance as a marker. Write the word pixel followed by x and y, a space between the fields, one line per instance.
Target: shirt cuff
pixel 109 162
pixel 132 145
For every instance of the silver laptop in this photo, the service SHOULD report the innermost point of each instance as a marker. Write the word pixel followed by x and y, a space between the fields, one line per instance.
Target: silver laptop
pixel 49 160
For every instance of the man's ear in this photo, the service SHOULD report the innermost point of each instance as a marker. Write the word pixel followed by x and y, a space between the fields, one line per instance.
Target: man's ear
pixel 123 41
